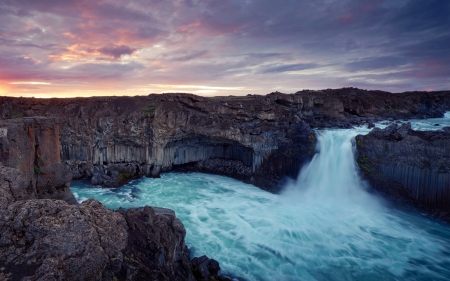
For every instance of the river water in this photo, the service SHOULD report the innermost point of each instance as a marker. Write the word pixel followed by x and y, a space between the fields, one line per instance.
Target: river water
pixel 323 226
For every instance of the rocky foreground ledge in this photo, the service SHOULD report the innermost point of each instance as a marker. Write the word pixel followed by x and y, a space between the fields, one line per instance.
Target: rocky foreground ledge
pixel 409 165
pixel 46 235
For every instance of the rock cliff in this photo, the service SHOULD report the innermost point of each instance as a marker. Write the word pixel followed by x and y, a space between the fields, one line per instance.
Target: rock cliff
pixel 31 146
pixel 258 139
pixel 408 164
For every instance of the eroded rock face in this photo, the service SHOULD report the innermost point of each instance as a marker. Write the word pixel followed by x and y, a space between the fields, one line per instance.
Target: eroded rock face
pixel 113 140
pixel 51 240
pixel 31 145
pixel 155 241
pixel 12 185
pixel 407 163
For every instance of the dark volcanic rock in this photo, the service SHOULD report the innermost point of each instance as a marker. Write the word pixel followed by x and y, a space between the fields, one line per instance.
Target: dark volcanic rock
pixel 116 139
pixel 206 269
pixel 407 163
pixel 31 145
pixel 51 240
pixel 155 241
pixel 11 185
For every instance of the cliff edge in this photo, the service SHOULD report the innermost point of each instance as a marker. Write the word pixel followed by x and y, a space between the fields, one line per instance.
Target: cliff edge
pixel 404 163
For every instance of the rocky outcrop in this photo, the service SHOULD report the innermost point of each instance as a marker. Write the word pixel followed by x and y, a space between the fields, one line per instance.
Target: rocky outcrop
pixel 155 248
pixel 409 164
pixel 31 146
pixel 51 240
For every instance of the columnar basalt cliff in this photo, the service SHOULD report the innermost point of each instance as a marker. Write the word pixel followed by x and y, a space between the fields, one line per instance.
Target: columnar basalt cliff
pixel 258 139
pixel 404 163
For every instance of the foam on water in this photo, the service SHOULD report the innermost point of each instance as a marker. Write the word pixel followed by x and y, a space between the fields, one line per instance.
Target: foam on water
pixel 324 226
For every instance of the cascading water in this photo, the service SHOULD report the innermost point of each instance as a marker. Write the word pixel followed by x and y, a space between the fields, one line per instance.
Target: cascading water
pixel 324 226
pixel 332 173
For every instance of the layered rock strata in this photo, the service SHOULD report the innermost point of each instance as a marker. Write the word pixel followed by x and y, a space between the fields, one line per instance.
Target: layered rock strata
pixel 410 164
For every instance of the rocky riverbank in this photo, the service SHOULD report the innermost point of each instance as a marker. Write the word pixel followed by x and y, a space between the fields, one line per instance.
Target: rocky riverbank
pixel 410 165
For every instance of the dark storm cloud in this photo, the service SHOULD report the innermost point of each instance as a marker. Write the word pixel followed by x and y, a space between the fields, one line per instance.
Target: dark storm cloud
pixel 263 56
pixel 421 15
pixel 120 12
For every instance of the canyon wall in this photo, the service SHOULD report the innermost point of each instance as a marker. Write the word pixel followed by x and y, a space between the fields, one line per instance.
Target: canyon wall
pixel 113 140
pixel 258 139
pixel 408 164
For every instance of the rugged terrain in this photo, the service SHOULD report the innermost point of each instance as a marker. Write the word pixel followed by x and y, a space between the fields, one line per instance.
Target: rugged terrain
pixel 30 145
pixel 258 139
pixel 409 164
pixel 44 144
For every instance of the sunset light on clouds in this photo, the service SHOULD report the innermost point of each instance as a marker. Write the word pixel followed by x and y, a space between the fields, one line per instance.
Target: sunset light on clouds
pixel 84 48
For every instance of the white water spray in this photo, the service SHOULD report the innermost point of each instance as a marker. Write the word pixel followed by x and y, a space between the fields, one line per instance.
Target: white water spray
pixel 332 175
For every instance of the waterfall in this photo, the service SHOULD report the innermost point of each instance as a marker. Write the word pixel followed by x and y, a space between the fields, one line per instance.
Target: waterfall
pixel 332 175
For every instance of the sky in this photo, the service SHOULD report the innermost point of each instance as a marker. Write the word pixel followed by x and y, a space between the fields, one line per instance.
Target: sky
pixel 65 48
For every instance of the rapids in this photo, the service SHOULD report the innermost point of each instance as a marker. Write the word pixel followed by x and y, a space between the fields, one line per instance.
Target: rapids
pixel 323 226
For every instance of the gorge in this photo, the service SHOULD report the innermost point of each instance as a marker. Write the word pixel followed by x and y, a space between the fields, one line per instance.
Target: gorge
pixel 324 226
pixel 262 140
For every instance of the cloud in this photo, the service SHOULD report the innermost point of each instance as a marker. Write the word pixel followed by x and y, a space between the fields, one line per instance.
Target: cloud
pixel 182 55
pixel 116 51
pixel 375 63
pixel 384 44
pixel 278 68
pixel 101 71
